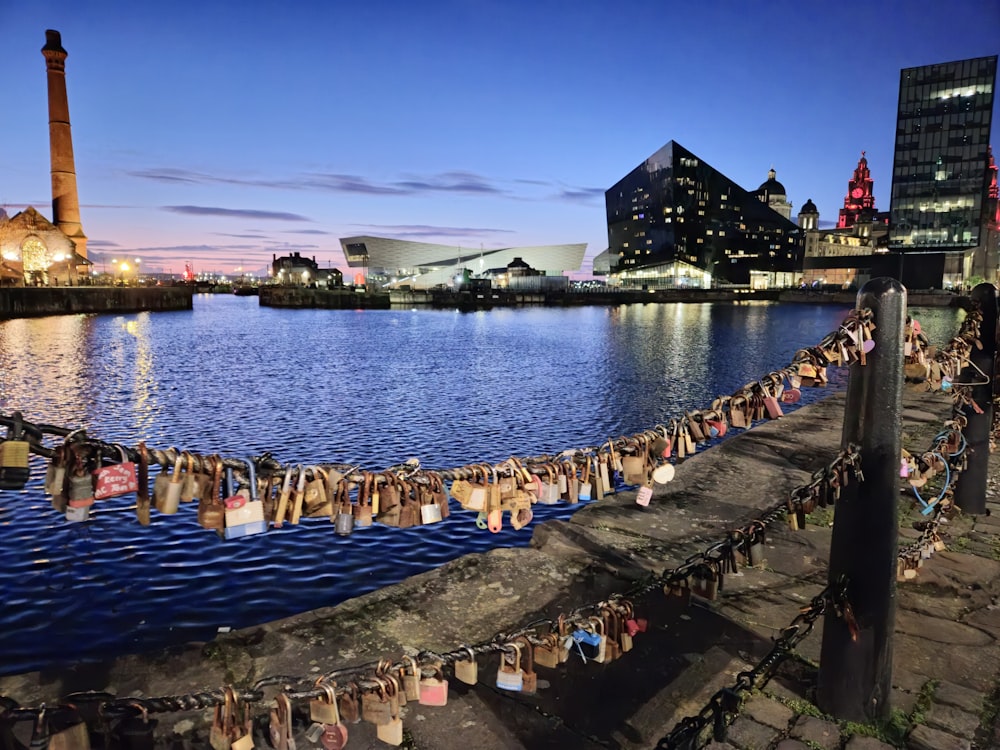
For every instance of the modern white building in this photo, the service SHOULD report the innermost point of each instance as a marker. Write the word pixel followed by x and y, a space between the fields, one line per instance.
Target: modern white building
pixel 422 265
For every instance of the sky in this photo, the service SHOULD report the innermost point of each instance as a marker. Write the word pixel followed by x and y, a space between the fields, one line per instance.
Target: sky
pixel 221 132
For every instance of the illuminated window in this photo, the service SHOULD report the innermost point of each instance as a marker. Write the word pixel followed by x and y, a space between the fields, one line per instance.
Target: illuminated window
pixel 34 254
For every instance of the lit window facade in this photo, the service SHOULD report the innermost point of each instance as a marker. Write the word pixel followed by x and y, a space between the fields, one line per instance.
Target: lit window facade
pixel 939 175
pixel 676 209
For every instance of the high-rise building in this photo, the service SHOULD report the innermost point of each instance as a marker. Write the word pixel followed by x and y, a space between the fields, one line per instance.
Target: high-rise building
pixel 674 221
pixel 940 169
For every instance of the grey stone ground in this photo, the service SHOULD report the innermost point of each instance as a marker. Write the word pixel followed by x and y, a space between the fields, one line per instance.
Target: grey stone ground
pixel 946 656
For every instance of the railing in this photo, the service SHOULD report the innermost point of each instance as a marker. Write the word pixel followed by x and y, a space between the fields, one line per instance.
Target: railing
pixel 857 604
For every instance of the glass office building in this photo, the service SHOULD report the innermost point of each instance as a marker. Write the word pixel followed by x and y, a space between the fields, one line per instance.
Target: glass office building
pixel 674 221
pixel 939 176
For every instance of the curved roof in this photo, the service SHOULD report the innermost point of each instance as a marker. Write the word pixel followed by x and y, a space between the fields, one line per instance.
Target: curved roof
pixel 809 207
pixel 772 187
pixel 428 263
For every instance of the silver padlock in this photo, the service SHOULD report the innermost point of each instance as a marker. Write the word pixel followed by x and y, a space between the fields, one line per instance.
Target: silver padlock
pixel 81 497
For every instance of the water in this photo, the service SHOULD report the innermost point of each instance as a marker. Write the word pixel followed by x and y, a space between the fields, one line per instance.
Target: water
pixel 310 386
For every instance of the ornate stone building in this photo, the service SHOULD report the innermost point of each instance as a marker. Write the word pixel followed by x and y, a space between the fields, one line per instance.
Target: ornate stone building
pixel 33 251
pixel 772 194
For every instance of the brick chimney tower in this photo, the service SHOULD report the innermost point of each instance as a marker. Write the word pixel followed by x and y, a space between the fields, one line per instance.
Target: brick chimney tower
pixel 65 201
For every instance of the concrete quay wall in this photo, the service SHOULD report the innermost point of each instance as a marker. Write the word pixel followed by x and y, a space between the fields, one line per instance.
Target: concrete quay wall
pixel 331 299
pixel 31 302
pixel 688 653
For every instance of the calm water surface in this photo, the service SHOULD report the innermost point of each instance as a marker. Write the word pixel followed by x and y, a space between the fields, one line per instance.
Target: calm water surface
pixel 366 387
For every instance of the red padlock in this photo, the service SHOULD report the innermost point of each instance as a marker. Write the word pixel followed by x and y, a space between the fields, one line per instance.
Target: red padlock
pixel 334 736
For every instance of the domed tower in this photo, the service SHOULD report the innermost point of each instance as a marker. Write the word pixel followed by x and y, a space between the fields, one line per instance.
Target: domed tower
pixel 809 216
pixel 772 193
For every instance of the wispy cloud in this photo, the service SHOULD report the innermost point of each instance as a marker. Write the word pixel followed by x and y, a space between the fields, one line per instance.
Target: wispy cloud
pixel 254 236
pixel 580 194
pixel 242 213
pixel 426 230
pixel 306 231
pixel 454 182
pixel 101 243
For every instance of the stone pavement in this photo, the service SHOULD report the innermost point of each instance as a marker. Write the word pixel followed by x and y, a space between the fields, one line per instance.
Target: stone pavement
pixel 946 657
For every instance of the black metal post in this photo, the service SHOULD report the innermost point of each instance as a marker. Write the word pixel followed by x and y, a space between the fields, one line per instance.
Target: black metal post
pixel 855 676
pixel 970 489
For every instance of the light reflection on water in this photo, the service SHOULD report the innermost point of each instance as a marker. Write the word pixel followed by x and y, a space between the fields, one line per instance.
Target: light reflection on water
pixel 368 387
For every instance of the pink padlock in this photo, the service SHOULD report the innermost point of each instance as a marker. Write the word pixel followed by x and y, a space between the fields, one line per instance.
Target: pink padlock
pixel 637 625
pixel 434 690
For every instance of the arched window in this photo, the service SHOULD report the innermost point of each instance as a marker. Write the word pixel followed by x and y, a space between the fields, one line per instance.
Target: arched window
pixel 34 254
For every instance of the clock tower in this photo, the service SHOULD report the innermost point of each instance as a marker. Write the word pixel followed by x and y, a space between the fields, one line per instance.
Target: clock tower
pixel 859 195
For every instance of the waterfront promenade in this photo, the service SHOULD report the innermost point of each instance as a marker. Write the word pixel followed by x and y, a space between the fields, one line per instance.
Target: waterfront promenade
pixel 946 664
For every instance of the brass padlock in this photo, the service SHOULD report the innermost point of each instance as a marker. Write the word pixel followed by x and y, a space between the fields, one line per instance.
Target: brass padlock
pixel 14 471
pixel 392 731
pixel 467 670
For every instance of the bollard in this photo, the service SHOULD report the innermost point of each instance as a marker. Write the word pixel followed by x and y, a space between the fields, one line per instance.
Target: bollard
pixel 855 676
pixel 970 489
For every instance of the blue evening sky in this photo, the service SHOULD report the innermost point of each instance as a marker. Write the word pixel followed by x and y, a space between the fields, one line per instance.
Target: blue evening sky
pixel 221 132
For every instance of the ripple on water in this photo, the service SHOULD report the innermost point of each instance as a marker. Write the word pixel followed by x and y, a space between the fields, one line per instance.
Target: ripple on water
pixel 372 387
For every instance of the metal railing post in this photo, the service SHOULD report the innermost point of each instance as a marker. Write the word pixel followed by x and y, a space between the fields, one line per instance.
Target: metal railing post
pixel 855 674
pixel 970 489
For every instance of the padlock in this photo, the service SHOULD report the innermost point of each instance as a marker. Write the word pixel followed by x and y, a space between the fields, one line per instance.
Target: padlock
pixel 189 482
pixel 220 736
pixel 81 494
pixel 143 504
pixel 349 704
pixel 705 582
pixel 771 405
pixel 645 493
pixel 510 676
pixel 211 510
pixel 754 544
pixel 584 492
pixel 326 713
pixel 663 473
pixel 284 496
pixel 602 649
pixel 315 500
pixel 116 480
pixel 280 724
pixel 375 704
pixel 334 736
pixel 430 511
pixel 367 506
pixel 392 731
pixel 411 680
pixel 67 731
pixel 137 732
pixel 612 630
pixel 298 496
pixel 55 477
pixel 345 519
pixel 467 670
pixel 14 471
pixel 546 653
pixel 529 680
pixel 584 643
pixel 434 690
pixel 325 710
pixel 548 486
pixel 242 728
pixel 171 499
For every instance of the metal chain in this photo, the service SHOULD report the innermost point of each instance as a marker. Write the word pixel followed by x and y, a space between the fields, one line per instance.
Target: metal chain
pixel 725 703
